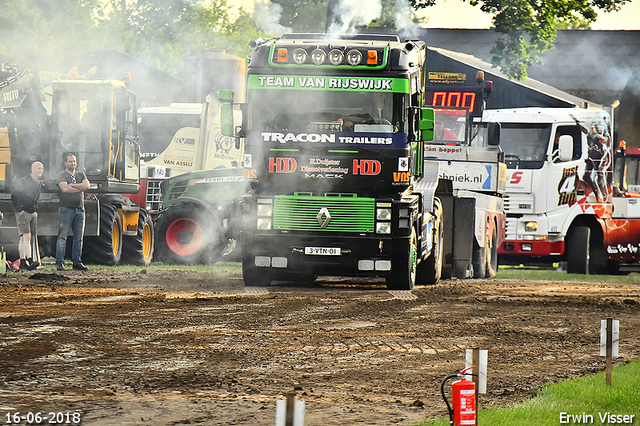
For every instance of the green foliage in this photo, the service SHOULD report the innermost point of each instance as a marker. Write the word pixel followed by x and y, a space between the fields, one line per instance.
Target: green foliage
pixel 528 27
pixel 159 32
pixel 588 395
pixel 30 28
pixel 163 32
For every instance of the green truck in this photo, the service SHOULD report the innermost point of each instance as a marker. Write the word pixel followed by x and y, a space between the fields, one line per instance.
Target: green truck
pixel 333 132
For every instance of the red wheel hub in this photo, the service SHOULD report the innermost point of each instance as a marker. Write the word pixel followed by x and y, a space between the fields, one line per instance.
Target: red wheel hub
pixel 184 236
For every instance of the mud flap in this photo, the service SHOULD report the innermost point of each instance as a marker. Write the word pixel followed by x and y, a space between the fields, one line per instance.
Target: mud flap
pixel 464 215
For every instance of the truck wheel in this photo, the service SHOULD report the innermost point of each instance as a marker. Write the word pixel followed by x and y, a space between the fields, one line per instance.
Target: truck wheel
pixel 479 259
pixel 254 276
pixel 105 249
pixel 578 249
pixel 403 268
pixel 138 250
pixel 187 235
pixel 430 270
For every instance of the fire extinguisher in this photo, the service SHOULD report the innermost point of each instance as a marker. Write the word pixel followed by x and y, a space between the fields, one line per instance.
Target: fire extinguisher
pixel 463 395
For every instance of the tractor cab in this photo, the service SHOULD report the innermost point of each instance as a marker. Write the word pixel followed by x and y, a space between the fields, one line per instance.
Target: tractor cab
pixel 96 121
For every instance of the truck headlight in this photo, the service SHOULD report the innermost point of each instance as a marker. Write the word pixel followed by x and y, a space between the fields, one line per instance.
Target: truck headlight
pixel 383 227
pixel 354 57
pixel 531 226
pixel 335 57
pixel 383 214
pixel 265 209
pixel 299 56
pixel 263 223
pixel 318 56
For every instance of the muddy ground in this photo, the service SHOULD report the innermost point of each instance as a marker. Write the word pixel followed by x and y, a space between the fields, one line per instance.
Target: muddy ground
pixel 178 347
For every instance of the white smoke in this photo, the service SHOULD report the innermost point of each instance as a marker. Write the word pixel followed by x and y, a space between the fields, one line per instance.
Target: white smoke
pixel 266 16
pixel 353 13
pixel 403 19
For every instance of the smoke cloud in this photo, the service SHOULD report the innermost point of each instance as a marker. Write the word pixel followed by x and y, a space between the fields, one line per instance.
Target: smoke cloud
pixel 266 16
pixel 404 24
pixel 352 13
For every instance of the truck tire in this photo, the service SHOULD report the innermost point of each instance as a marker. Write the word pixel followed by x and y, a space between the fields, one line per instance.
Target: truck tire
pixel 430 270
pixel 578 250
pixel 105 249
pixel 404 267
pixel 138 250
pixel 485 259
pixel 188 235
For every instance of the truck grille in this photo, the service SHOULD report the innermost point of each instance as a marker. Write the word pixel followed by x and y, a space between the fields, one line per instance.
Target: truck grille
pixel 154 197
pixel 511 229
pixel 300 213
pixel 516 203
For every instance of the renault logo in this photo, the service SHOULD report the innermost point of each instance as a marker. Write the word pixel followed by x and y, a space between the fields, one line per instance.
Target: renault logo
pixel 324 217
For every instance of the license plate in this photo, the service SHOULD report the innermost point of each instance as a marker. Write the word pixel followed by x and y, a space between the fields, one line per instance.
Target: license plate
pixel 322 251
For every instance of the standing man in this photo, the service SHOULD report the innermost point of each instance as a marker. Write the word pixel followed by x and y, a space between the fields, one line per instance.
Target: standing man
pixel 25 200
pixel 71 187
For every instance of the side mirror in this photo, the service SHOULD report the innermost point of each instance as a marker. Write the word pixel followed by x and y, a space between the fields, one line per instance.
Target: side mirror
pixel 225 96
pixel 425 124
pixel 565 148
pixel 493 134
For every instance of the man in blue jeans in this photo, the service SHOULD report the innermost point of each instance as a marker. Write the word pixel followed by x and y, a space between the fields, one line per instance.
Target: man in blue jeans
pixel 71 187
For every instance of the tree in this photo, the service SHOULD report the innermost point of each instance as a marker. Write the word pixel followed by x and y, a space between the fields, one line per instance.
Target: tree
pixel 528 27
pixel 53 35
pixel 163 32
pixel 31 30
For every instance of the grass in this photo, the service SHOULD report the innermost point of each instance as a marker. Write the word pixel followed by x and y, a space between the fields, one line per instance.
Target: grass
pixel 551 274
pixel 234 267
pixel 588 395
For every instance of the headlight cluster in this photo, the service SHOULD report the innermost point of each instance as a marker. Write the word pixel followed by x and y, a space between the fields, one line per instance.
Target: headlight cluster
pixel 383 218
pixel 265 214
pixel 327 56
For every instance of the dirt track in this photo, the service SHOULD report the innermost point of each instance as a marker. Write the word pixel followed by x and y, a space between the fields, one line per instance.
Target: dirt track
pixel 176 347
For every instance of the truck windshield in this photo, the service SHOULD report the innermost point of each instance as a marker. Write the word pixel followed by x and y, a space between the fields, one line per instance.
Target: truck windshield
pixel 327 111
pixel 84 121
pixel 525 145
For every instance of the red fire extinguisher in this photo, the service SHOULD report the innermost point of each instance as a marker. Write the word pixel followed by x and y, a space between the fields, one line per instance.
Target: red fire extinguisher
pixel 463 395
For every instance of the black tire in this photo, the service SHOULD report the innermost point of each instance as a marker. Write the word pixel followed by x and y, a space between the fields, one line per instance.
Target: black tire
pixel 577 249
pixel 138 249
pixel 479 260
pixel 188 235
pixel 254 276
pixel 429 271
pixel 105 249
pixel 404 267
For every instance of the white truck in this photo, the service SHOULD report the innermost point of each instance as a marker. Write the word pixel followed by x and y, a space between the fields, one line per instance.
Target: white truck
pixel 471 159
pixel 560 199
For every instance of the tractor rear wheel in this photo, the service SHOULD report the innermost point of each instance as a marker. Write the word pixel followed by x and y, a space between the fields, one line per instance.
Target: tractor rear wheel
pixel 105 249
pixel 187 234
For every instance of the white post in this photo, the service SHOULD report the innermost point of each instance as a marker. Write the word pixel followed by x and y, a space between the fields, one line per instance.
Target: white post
pixel 289 412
